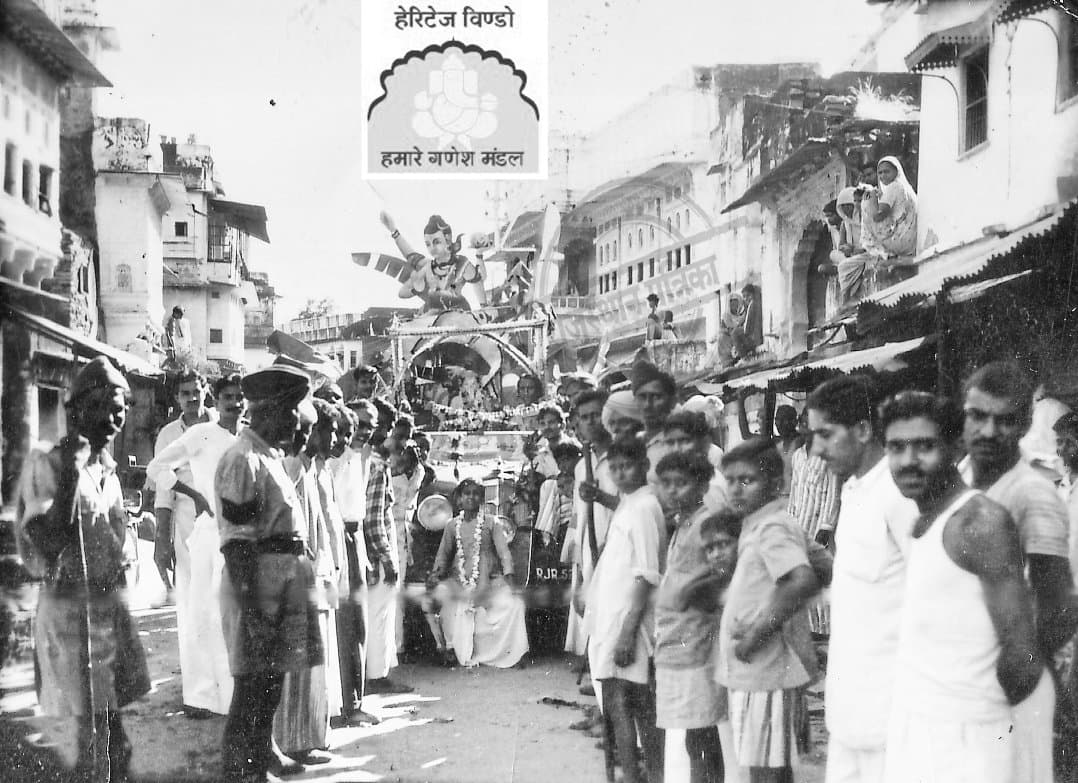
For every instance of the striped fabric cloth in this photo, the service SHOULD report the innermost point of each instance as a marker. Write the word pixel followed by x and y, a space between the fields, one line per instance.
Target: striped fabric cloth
pixel 814 503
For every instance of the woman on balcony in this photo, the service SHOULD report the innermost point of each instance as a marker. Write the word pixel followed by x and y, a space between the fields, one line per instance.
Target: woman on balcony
pixel 886 234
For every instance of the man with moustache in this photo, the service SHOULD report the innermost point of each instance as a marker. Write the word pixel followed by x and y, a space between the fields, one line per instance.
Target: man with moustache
pixel 70 533
pixel 872 542
pixel 268 578
pixel 204 673
pixel 998 406
pixel 968 650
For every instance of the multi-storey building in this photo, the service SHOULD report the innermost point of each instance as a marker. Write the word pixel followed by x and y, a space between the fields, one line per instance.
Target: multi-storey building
pixel 206 241
pixel 48 305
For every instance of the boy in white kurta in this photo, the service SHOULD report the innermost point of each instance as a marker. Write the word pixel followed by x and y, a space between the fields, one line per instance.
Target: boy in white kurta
pixel 619 617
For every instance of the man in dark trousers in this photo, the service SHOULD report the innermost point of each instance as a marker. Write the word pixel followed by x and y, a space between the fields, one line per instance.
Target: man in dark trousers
pixel 269 626
pixel 89 657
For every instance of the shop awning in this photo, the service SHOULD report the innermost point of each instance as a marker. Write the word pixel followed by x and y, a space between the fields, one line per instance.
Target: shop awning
pixel 27 24
pixel 963 261
pixel 809 155
pixel 249 218
pixel 944 48
pixel 1016 9
pixel 81 343
pixel 880 358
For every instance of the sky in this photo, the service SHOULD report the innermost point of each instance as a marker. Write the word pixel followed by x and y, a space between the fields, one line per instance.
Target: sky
pixel 272 88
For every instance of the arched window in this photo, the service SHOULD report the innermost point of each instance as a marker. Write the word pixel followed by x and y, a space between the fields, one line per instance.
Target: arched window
pixel 669 227
pixel 686 218
pixel 640 237
pixel 608 252
pixel 630 240
pixel 615 246
pixel 677 220
pixel 651 229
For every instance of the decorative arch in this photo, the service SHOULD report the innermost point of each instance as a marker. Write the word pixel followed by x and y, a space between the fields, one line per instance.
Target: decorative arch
pixel 809 299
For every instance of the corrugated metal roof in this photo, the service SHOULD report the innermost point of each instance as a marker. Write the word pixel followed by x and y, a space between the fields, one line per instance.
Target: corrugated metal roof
pixel 877 358
pixel 961 262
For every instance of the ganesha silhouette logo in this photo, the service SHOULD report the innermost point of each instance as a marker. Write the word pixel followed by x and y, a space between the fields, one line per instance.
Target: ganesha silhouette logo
pixel 453 109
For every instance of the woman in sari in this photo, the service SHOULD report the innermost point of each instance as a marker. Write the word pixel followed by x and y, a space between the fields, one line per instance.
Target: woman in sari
pixel 893 210
pixel 481 614
pixel 888 228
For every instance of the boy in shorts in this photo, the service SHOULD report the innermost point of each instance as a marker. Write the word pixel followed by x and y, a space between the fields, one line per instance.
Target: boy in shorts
pixel 687 697
pixel 765 646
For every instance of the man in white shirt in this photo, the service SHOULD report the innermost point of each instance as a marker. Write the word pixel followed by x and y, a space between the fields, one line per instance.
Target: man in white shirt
pixel 175 513
pixel 872 543
pixel 204 672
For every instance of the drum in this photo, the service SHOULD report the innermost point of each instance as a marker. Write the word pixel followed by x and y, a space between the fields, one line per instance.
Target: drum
pixel 434 513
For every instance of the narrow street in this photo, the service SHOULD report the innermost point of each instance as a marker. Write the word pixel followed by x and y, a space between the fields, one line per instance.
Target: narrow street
pixel 479 725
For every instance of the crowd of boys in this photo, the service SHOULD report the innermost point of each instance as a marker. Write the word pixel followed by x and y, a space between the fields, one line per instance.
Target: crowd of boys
pixel 950 561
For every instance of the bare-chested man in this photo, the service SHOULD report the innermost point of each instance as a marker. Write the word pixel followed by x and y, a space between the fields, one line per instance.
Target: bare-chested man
pixel 968 649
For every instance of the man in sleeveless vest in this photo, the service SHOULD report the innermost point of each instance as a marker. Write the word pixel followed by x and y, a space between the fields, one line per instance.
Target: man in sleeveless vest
pixel 967 649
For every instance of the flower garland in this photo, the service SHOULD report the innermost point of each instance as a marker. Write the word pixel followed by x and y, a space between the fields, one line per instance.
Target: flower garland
pixel 472 580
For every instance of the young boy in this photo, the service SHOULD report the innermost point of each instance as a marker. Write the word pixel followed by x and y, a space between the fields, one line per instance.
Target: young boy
pixel 719 534
pixel 556 496
pixel 619 613
pixel 765 647
pixel 687 697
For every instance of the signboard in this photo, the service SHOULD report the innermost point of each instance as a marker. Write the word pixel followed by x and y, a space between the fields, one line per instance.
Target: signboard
pixel 454 90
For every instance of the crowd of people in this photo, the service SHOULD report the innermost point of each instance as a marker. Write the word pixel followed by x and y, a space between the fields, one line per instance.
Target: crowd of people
pixel 285 518
pixel 949 559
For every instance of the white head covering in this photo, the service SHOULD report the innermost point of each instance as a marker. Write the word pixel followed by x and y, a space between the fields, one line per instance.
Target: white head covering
pixel 621 405
pixel 711 407
pixel 900 179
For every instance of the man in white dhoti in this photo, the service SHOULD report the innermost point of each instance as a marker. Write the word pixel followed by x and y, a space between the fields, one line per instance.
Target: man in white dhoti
pixel 204 672
pixel 481 614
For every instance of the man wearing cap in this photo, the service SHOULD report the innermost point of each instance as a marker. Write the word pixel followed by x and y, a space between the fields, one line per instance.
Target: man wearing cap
pixel 70 502
pixel 268 579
